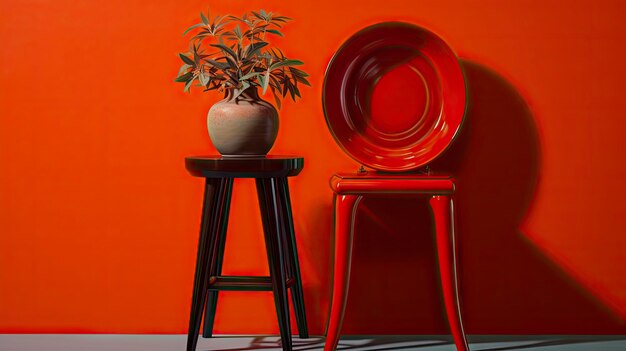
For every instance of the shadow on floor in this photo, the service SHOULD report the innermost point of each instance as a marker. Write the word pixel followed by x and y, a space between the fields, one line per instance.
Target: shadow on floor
pixel 425 343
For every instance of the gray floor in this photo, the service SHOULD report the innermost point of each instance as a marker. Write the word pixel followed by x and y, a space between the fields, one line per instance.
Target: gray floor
pixel 51 342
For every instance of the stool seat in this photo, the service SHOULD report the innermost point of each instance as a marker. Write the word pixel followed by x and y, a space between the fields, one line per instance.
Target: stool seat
pixel 270 174
pixel 244 167
pixel 349 189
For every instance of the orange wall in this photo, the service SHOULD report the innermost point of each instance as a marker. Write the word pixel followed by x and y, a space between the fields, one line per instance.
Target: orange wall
pixel 99 219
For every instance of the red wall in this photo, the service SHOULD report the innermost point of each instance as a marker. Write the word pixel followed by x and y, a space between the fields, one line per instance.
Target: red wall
pixel 99 219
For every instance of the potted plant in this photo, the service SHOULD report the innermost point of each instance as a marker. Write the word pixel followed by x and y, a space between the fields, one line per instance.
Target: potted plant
pixel 232 55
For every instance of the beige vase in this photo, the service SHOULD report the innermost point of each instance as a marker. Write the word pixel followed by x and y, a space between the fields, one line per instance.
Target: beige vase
pixel 244 126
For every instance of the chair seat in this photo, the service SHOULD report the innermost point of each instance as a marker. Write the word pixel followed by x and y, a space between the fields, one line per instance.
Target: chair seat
pixel 382 183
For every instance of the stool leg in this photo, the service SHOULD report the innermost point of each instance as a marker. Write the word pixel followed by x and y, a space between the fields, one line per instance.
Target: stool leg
pixel 443 213
pixel 213 190
pixel 291 251
pixel 267 190
pixel 216 259
pixel 345 214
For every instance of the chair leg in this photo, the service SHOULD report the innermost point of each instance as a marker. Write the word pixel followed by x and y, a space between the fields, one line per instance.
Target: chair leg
pixel 216 259
pixel 443 213
pixel 291 253
pixel 345 214
pixel 213 191
pixel 267 190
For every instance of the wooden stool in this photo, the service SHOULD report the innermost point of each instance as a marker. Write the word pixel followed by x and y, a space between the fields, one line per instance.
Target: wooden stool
pixel 349 191
pixel 271 174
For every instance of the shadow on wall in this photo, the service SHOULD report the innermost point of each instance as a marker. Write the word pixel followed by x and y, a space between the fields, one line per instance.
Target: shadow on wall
pixel 507 285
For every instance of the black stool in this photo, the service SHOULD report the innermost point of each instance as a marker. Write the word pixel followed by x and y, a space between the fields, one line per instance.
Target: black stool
pixel 271 174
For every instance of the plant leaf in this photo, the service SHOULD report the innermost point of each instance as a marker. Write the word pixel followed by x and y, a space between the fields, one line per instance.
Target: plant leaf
pixel 275 31
pixel 192 27
pixel 199 36
pixel 237 32
pixel 277 99
pixel 244 86
pixel 298 72
pixel 299 75
pixel 204 19
pixel 274 83
pixel 282 19
pixel 186 60
pixel 220 22
pixel 183 68
pixel 286 63
pixel 292 92
pixel 226 49
pixel 219 65
pixel 249 75
pixel 204 79
pixel 188 85
pixel 266 81
pixel 232 64
pixel 254 48
pixel 296 91
pixel 261 79
pixel 302 80
pixel 184 78
pixel 274 23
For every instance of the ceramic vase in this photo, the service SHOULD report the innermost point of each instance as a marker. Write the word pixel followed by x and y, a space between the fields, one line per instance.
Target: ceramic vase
pixel 243 126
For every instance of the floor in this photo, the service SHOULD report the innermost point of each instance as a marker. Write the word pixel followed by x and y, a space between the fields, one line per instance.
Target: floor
pixel 39 342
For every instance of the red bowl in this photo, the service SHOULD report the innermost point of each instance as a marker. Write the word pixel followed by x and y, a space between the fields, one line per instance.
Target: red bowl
pixel 394 96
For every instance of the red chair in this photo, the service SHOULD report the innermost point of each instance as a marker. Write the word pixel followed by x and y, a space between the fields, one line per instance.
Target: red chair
pixel 394 99
pixel 349 190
